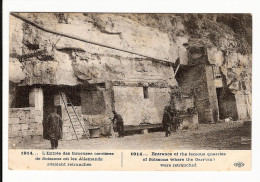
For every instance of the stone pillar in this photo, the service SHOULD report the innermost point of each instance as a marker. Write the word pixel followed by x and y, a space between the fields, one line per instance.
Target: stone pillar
pixel 36 99
pixel 109 96
pixel 212 93
pixel 241 106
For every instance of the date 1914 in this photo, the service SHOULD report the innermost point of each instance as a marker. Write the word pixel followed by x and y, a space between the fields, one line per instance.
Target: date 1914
pixel 27 153
pixel 136 154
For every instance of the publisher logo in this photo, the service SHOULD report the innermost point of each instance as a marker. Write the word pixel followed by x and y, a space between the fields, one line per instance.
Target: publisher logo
pixel 239 164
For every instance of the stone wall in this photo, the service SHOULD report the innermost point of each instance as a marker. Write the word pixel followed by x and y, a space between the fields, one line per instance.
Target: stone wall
pixel 159 98
pixel 25 124
pixel 92 102
pixel 96 106
pixel 135 109
pixel 243 105
pixel 67 129
pixel 194 80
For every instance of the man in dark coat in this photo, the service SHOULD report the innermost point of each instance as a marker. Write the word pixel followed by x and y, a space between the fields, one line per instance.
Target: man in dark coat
pixel 175 120
pixel 167 120
pixel 119 123
pixel 54 127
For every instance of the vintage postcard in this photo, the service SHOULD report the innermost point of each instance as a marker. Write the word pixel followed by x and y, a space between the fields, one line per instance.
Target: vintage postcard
pixel 130 91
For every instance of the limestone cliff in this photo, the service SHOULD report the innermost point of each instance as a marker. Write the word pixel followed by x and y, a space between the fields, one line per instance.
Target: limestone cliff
pixel 226 39
pixel 47 58
pixel 39 57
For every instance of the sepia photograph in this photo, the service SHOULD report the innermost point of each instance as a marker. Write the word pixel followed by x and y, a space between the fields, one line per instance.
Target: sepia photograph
pixel 120 81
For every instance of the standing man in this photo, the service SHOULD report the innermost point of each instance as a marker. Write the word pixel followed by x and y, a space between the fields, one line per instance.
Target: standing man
pixel 54 127
pixel 175 120
pixel 167 119
pixel 119 124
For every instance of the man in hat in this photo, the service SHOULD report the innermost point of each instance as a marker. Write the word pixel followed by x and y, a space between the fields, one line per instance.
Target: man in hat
pixel 54 127
pixel 167 121
pixel 119 123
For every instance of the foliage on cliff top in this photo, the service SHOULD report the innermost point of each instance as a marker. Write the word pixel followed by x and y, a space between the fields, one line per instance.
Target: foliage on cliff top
pixel 228 32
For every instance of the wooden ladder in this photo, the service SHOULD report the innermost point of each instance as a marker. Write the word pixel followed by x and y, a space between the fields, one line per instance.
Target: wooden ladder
pixel 74 111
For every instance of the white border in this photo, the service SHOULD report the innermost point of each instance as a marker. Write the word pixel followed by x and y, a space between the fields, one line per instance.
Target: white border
pixel 160 6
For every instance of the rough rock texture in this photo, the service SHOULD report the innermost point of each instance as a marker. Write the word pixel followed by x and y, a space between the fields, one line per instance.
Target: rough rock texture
pixel 50 59
pixel 226 37
pixel 17 73
pixel 41 58
pixel 135 109
pixel 25 124
pixel 164 36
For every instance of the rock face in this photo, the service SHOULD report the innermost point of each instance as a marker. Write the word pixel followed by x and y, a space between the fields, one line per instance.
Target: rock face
pixel 46 56
pixel 137 85
pixel 66 61
pixel 17 72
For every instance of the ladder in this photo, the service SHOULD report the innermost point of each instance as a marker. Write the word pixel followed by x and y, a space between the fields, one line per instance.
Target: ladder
pixel 66 108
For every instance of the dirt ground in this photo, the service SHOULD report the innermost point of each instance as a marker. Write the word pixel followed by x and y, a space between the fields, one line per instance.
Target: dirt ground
pixel 224 136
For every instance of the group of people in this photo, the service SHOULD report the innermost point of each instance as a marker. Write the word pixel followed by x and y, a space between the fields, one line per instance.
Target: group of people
pixel 53 127
pixel 53 124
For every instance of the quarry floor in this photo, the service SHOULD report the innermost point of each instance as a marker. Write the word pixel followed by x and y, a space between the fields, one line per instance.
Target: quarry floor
pixel 224 136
